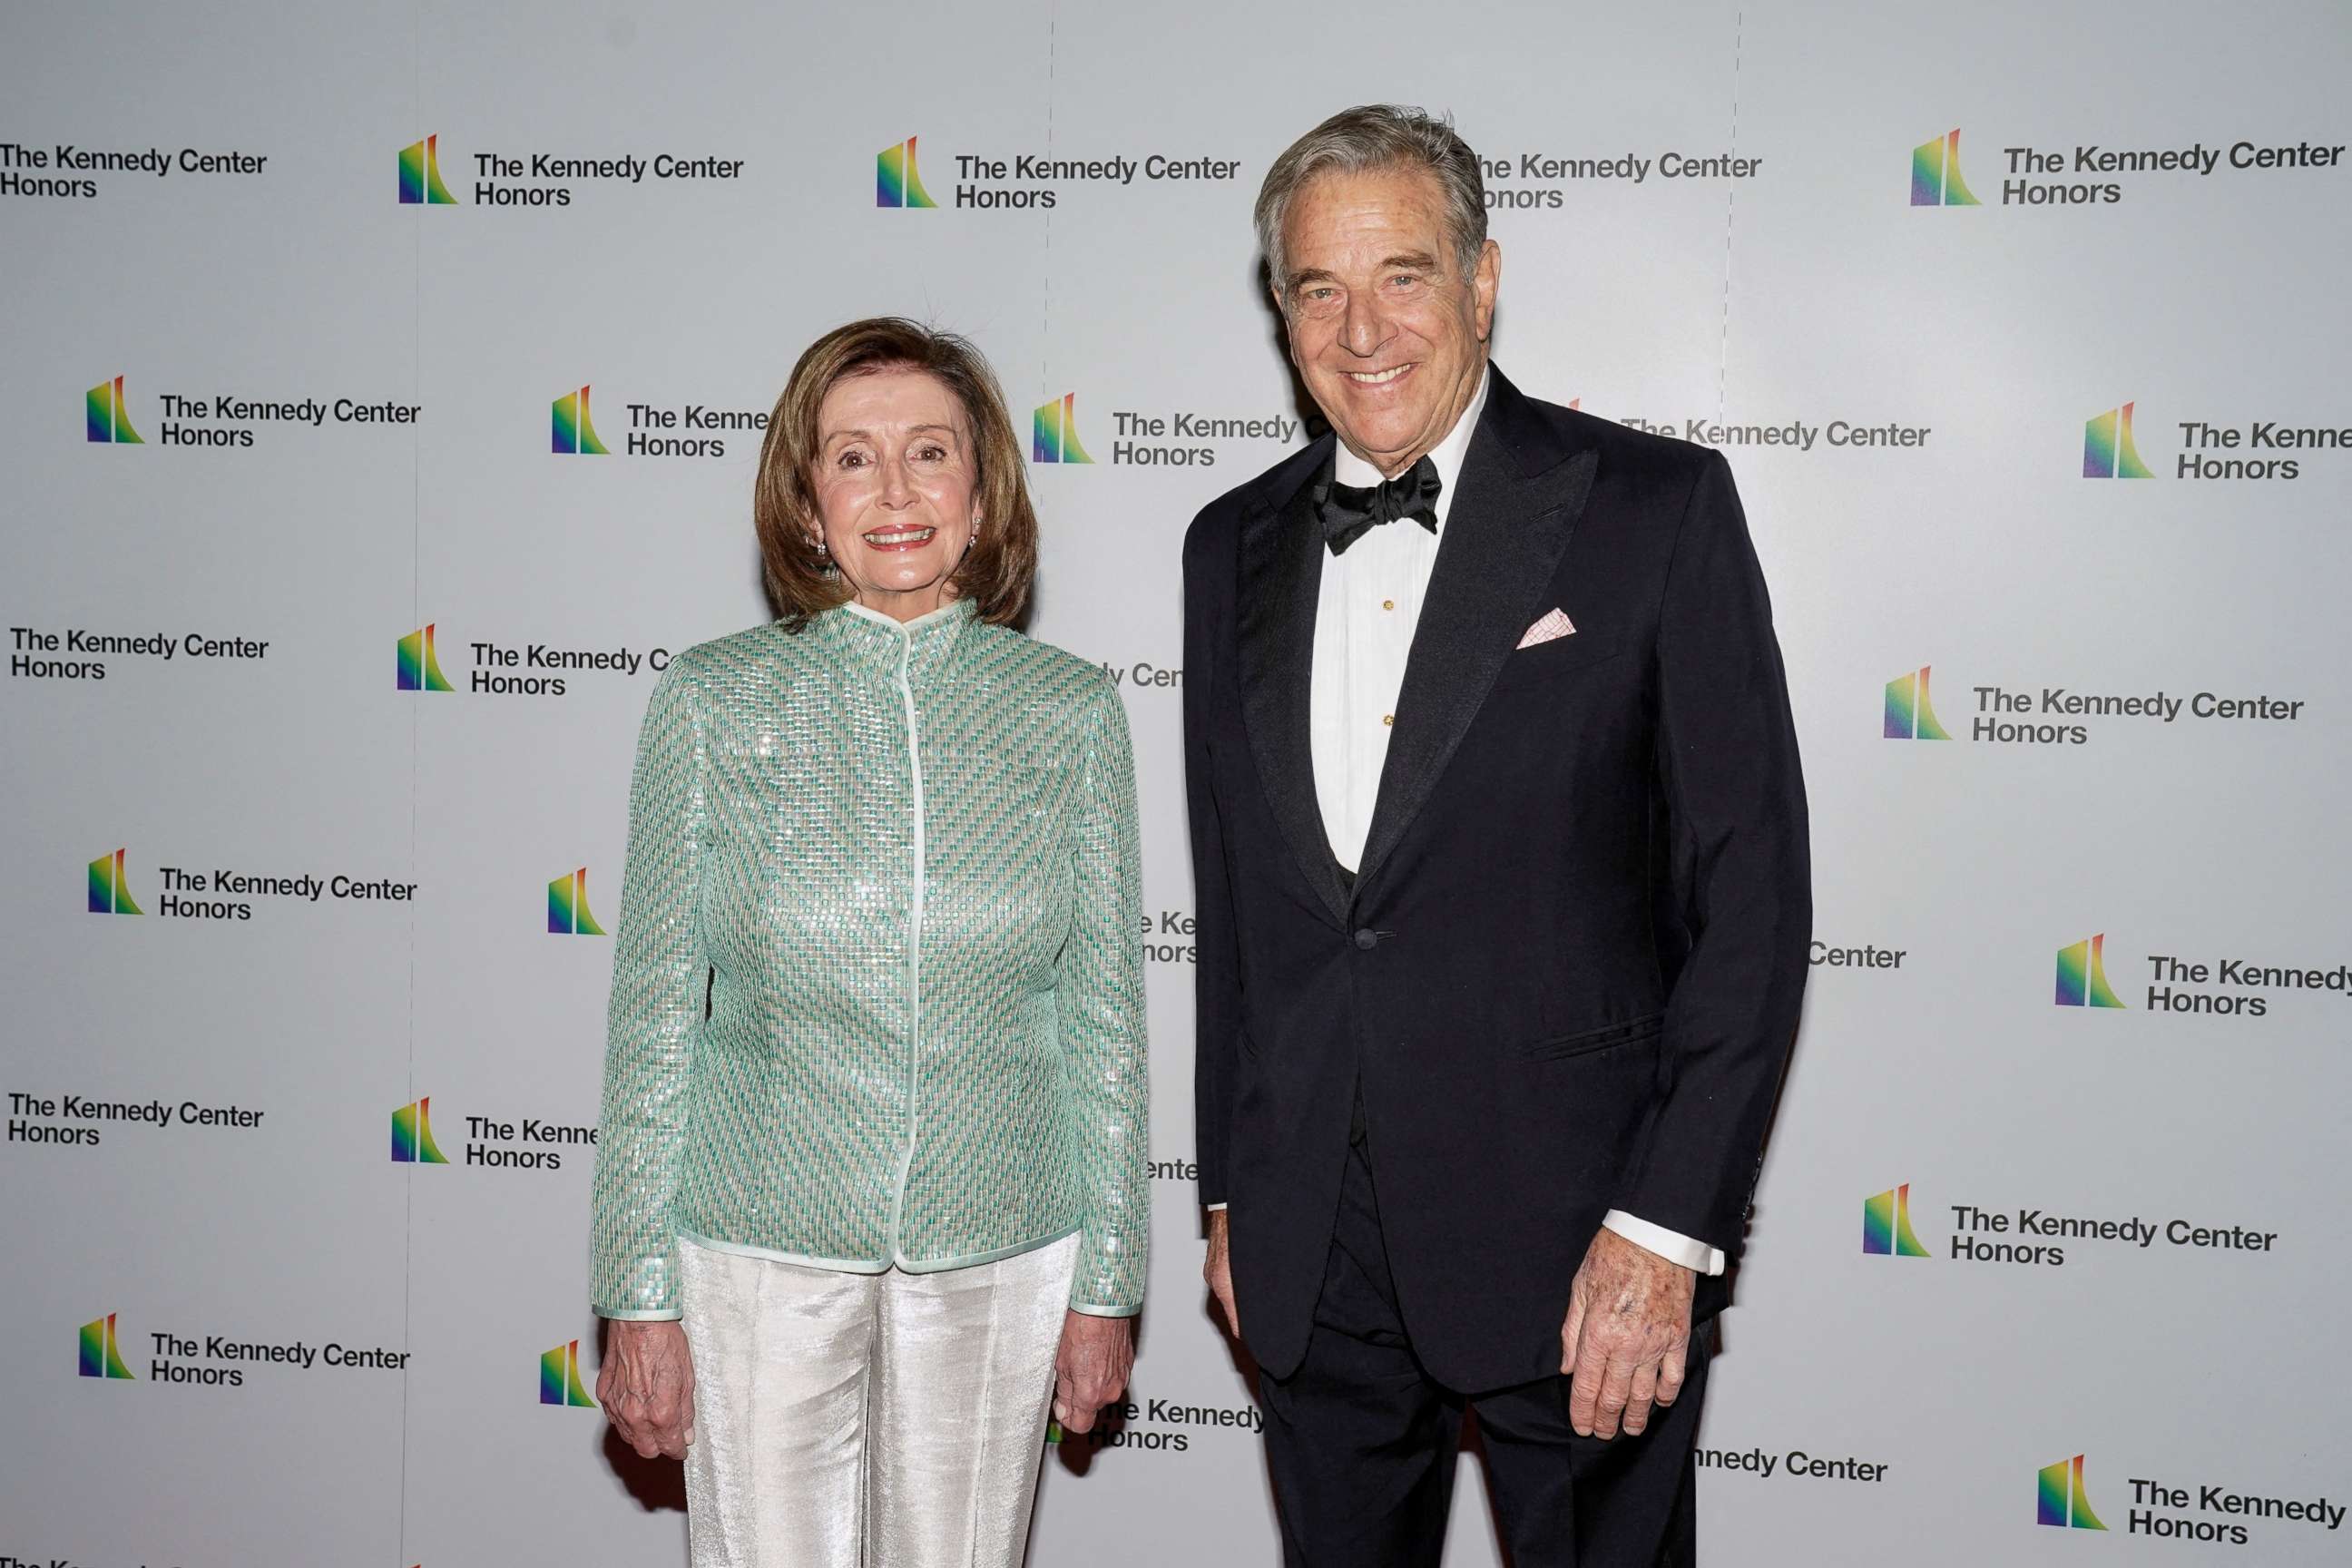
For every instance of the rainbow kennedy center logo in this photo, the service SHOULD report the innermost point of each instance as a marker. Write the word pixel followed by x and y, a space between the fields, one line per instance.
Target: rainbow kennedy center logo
pixel 574 430
pixel 2024 716
pixel 897 183
pixel 2108 450
pixel 2058 1496
pixel 1886 1225
pixel 2083 975
pixel 184 887
pixel 199 1358
pixel 567 906
pixel 497 175
pixel 499 667
pixel 1028 180
pixel 559 1376
pixel 2210 449
pixel 1056 432
pixel 521 1145
pixel 1910 716
pixel 1138 434
pixel 419 663
pixel 103 417
pixel 411 1135
pixel 2227 987
pixel 2060 1502
pixel 420 176
pixel 1936 173
pixel 653 430
pixel 101 1356
pixel 110 893
pixel 225 419
pixel 2032 1234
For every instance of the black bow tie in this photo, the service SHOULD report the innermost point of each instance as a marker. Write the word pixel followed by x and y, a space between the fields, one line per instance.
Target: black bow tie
pixel 1350 511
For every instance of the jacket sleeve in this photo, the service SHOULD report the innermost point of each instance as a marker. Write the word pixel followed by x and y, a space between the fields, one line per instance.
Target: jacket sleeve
pixel 1217 981
pixel 659 972
pixel 1739 879
pixel 1099 1001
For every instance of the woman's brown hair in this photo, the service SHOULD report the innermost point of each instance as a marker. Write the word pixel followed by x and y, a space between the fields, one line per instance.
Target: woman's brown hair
pixel 997 573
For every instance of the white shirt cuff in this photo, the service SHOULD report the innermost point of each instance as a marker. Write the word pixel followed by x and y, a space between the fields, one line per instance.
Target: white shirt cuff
pixel 1214 1208
pixel 1672 1245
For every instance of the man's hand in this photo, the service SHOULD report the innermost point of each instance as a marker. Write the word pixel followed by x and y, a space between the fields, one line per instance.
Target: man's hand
pixel 1217 1268
pixel 1090 1367
pixel 1627 1333
pixel 646 1386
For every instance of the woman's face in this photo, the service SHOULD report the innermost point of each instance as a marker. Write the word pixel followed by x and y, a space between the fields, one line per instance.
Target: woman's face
pixel 896 488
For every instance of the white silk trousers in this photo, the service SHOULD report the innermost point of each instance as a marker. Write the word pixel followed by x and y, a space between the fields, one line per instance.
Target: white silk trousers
pixel 888 1420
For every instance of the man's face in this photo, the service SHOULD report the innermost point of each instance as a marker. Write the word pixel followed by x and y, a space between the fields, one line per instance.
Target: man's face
pixel 1389 334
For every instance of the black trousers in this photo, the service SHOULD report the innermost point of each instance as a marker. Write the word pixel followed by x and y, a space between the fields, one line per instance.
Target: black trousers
pixel 1361 1442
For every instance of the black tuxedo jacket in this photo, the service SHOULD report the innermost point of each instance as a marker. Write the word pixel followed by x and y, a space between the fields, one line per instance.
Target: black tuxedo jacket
pixel 1568 975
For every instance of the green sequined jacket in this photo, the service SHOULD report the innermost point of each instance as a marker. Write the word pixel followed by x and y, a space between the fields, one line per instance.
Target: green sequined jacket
pixel 876 982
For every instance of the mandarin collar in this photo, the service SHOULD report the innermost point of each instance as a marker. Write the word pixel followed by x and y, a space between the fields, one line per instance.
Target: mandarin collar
pixel 879 641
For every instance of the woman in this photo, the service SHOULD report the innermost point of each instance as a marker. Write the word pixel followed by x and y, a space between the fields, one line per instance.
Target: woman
pixel 870 1184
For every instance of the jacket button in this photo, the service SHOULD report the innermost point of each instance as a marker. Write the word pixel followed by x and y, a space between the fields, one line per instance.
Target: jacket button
pixel 1368 939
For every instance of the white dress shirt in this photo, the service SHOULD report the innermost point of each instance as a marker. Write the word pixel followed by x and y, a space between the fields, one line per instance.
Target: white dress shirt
pixel 1366 608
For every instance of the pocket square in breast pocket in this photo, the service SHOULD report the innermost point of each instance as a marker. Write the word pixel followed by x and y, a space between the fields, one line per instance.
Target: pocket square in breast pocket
pixel 1554 624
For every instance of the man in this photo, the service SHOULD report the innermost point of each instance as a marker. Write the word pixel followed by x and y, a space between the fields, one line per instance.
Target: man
pixel 1500 849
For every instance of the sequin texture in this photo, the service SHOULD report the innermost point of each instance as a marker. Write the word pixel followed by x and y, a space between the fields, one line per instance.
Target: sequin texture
pixel 904 862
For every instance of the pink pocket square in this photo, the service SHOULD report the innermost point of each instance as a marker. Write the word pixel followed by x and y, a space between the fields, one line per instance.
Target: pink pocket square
pixel 1552 626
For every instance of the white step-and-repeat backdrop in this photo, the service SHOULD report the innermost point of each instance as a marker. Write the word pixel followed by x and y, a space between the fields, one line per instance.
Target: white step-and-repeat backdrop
pixel 380 406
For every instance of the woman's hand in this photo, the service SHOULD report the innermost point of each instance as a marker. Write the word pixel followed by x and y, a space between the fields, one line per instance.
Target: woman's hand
pixel 647 1387
pixel 1091 1366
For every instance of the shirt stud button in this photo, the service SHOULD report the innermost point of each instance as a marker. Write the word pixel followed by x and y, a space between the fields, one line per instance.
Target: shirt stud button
pixel 1388 718
pixel 1388 603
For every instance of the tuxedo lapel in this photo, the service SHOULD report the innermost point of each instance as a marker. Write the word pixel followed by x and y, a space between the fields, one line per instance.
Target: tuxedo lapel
pixel 1518 497
pixel 1281 575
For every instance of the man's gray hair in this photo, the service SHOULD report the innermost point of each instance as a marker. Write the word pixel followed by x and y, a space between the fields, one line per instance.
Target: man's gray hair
pixel 1377 136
